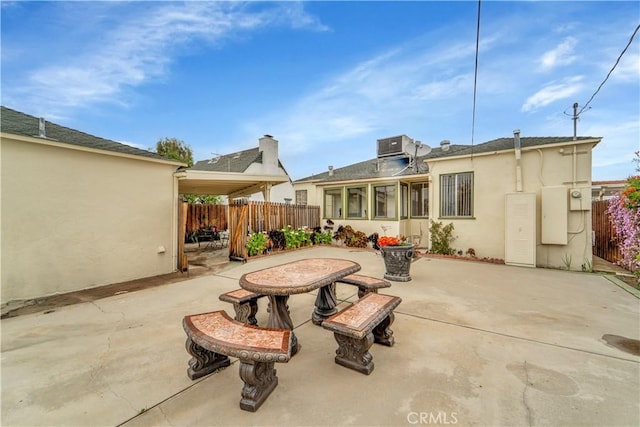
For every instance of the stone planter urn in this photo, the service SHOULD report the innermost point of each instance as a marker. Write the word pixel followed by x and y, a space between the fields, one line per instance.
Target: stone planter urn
pixel 397 261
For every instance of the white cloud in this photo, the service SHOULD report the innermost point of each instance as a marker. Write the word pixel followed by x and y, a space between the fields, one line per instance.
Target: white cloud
pixel 446 88
pixel 627 70
pixel 141 49
pixel 620 140
pixel 386 91
pixel 553 92
pixel 560 55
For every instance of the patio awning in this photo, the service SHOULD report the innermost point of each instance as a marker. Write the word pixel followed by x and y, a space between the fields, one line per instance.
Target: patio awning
pixel 230 184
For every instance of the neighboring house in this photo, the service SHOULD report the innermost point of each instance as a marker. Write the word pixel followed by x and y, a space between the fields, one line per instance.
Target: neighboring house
pixel 605 190
pixel 79 211
pixel 529 206
pixel 275 185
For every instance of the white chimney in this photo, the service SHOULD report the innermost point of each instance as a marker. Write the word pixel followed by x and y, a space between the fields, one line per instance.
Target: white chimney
pixel 269 149
pixel 330 170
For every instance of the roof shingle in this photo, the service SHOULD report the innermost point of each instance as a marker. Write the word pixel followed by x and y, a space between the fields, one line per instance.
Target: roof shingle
pixel 397 166
pixel 237 162
pixel 17 123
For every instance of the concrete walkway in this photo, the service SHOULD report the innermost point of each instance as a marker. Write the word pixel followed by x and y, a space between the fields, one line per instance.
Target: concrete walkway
pixel 476 344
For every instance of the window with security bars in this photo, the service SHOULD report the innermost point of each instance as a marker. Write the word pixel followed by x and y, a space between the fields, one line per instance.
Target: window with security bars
pixel 456 195
pixel 301 197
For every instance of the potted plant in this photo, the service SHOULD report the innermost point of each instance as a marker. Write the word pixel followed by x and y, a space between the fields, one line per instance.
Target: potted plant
pixel 397 255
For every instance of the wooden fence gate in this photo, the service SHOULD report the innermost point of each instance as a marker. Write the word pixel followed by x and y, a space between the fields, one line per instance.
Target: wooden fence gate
pixel 606 240
pixel 238 230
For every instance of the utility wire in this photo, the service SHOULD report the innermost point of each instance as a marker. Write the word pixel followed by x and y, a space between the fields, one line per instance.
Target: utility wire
pixel 475 80
pixel 610 71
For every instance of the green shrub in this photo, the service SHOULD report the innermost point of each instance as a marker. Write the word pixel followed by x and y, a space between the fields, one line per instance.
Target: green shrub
pixel 256 244
pixel 323 237
pixel 441 238
pixel 296 238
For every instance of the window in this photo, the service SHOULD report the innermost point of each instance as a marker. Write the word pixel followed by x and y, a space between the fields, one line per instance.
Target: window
pixel 456 194
pixel 333 203
pixel 357 202
pixel 301 197
pixel 385 201
pixel 420 199
pixel 404 201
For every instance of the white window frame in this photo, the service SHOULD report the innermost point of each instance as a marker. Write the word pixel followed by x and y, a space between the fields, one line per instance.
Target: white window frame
pixel 301 197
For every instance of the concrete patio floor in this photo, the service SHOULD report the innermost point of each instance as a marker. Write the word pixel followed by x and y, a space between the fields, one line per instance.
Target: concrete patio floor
pixel 476 344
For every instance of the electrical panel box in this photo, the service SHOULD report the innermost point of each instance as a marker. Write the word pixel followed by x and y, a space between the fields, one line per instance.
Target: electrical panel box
pixel 555 215
pixel 520 229
pixel 580 199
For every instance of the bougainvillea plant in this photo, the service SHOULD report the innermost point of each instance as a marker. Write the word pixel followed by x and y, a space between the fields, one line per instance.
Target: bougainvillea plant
pixel 624 213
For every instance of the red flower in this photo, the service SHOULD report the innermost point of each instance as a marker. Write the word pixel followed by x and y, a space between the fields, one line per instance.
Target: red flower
pixel 388 241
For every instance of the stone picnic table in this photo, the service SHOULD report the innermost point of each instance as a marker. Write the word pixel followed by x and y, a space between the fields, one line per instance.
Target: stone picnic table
pixel 281 281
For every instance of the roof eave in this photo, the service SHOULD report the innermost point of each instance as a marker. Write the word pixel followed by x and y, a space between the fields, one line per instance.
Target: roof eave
pixel 593 141
pixel 62 144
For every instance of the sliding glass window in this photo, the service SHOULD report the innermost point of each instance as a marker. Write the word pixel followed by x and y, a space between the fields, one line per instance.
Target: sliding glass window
pixel 384 201
pixel 357 202
pixel 333 203
pixel 419 199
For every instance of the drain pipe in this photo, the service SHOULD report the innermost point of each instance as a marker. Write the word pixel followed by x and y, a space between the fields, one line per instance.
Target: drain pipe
pixel 516 142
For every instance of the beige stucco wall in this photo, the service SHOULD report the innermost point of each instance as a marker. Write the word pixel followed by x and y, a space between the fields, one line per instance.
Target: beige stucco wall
pixel 494 176
pixel 74 219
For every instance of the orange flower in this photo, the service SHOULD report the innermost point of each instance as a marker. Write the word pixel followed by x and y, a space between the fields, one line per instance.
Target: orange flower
pixel 388 241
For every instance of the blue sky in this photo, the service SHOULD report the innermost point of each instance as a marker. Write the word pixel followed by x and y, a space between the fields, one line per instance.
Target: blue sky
pixel 327 79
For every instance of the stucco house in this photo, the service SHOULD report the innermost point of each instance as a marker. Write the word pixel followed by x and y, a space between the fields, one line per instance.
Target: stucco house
pixel 262 160
pixel 525 200
pixel 605 190
pixel 79 211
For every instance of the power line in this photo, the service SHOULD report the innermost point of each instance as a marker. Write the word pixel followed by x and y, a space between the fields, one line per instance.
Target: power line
pixel 610 71
pixel 475 78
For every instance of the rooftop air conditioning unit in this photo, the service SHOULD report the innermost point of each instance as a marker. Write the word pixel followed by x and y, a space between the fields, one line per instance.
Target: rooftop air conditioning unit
pixel 393 146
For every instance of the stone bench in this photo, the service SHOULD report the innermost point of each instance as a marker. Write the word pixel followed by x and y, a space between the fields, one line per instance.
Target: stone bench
pixel 245 304
pixel 358 326
pixel 365 284
pixel 213 337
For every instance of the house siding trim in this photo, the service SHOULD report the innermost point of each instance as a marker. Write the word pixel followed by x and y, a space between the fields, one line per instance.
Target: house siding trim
pixel 61 144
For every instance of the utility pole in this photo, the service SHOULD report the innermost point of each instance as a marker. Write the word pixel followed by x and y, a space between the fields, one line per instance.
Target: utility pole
pixel 575 121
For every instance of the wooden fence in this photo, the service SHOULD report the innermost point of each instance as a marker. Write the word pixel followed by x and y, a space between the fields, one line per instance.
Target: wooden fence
pixel 206 216
pixel 262 216
pixel 606 241
pixel 246 217
pixel 265 216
